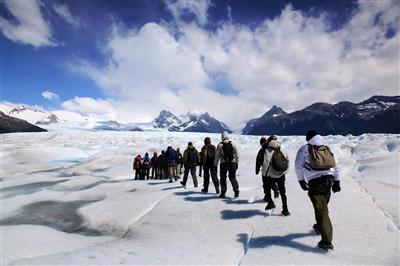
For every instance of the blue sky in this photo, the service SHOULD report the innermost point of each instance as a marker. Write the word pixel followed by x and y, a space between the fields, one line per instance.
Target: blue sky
pixel 130 59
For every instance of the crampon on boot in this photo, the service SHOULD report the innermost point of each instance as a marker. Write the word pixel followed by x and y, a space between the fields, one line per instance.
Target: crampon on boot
pixel 325 246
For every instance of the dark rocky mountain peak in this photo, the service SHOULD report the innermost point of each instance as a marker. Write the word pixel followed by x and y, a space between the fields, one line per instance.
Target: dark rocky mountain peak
pixel 379 99
pixel 9 124
pixel 275 111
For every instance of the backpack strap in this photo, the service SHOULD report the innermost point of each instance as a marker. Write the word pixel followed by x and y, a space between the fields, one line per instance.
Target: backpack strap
pixel 307 165
pixel 270 161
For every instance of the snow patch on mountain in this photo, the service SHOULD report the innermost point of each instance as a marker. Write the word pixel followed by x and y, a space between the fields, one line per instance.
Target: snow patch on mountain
pixel 193 121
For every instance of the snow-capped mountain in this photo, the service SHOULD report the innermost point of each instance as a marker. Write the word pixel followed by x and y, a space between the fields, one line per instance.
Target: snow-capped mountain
pixel 193 121
pixel 370 116
pixel 30 114
pixel 58 119
pixel 39 116
pixel 166 119
pixel 202 123
pixel 51 119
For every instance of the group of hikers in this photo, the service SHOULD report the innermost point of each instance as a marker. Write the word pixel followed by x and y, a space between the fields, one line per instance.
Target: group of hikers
pixel 316 169
pixel 169 164
pixel 166 165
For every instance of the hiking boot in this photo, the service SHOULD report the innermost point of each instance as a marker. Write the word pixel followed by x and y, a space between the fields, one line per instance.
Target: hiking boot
pixel 222 196
pixel 204 191
pixel 236 194
pixel 325 246
pixel 217 191
pixel 285 212
pixel 270 206
pixel 170 181
pixel 316 229
pixel 183 184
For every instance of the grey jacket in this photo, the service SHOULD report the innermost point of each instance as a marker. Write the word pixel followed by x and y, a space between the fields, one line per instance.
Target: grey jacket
pixel 267 170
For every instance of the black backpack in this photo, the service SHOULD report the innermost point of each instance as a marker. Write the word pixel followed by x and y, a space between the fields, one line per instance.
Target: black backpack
pixel 279 162
pixel 192 158
pixel 211 152
pixel 228 151
pixel 146 163
pixel 161 161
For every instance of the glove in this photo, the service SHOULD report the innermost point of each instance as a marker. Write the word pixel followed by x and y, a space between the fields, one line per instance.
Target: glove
pixel 336 186
pixel 257 171
pixel 303 185
pixel 276 191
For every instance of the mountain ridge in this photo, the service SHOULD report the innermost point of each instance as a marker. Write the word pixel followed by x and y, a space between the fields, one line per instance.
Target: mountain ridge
pixel 368 116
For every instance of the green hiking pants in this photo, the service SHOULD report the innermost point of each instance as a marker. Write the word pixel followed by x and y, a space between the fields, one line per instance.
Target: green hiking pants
pixel 320 193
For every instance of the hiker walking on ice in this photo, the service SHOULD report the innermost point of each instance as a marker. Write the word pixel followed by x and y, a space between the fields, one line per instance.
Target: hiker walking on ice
pixel 170 156
pixel 207 160
pixel 274 167
pixel 318 172
pixel 137 166
pixel 179 162
pixel 153 165
pixel 190 161
pixel 259 163
pixel 228 155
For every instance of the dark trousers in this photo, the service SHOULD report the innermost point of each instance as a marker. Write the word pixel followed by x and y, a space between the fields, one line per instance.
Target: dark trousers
pixel 270 183
pixel 265 187
pixel 165 172
pixel 319 191
pixel 146 173
pixel 230 169
pixel 210 169
pixel 192 172
pixel 137 173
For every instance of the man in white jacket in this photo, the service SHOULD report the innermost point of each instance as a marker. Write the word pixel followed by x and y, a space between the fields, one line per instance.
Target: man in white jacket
pixel 228 155
pixel 272 176
pixel 319 184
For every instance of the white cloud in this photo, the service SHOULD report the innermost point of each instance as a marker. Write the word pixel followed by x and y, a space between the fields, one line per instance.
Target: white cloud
pixel 107 109
pixel 149 69
pixel 86 105
pixel 290 61
pixel 49 95
pixel 198 8
pixel 64 12
pixel 31 28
